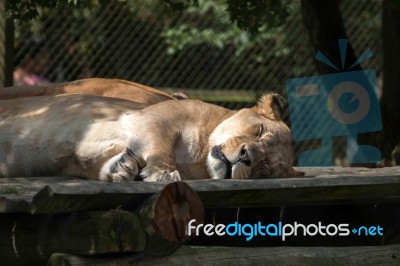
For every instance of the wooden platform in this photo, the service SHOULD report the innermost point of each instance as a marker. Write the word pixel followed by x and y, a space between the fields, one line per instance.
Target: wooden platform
pixel 70 221
pixel 320 186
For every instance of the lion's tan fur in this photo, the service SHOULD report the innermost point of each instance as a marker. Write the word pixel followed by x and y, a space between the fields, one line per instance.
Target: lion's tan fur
pixel 91 136
pixel 116 88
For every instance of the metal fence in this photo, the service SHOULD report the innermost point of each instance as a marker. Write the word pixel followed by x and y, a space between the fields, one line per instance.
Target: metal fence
pixel 198 51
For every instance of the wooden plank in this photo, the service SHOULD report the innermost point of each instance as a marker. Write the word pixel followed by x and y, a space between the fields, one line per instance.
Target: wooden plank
pixel 334 185
pixel 299 256
pixel 78 196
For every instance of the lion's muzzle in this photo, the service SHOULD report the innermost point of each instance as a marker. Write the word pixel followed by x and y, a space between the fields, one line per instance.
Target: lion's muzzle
pixel 217 153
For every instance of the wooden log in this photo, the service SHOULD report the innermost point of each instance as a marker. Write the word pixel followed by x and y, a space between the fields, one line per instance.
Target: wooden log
pixel 17 194
pixel 31 239
pixel 299 256
pixel 165 216
pixel 15 203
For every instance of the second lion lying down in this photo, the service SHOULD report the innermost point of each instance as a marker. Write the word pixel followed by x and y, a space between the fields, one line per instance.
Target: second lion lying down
pixel 113 139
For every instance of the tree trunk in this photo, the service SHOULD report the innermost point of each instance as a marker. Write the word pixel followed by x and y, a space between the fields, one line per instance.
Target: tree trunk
pixel 324 23
pixel 6 47
pixel 390 106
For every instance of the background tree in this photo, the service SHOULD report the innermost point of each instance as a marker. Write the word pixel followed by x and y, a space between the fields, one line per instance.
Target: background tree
pixel 390 106
pixel 324 23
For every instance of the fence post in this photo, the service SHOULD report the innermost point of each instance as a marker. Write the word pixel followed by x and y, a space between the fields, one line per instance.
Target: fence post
pixel 6 47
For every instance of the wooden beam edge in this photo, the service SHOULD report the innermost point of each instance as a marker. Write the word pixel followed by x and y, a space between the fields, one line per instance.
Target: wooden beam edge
pixel 198 255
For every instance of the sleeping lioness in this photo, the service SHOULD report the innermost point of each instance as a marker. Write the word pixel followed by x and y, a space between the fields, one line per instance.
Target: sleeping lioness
pixel 113 139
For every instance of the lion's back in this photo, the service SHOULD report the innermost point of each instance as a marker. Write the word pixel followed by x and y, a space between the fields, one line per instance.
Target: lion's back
pixel 39 132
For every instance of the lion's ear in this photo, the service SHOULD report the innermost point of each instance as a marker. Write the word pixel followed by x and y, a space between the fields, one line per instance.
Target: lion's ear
pixel 270 105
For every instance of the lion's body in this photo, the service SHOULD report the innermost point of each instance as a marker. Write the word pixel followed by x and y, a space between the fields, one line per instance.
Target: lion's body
pixel 112 139
pixel 116 88
pixel 37 140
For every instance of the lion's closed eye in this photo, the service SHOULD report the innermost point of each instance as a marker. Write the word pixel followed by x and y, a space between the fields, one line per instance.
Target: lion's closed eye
pixel 260 131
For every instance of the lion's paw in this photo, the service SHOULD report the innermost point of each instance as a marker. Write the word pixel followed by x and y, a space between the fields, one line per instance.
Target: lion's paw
pixel 125 166
pixel 162 175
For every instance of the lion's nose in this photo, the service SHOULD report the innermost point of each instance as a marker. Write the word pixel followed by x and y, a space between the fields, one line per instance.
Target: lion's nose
pixel 216 152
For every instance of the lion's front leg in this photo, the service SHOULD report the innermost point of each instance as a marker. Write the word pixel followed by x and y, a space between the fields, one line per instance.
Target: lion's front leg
pixel 125 166
pixel 156 147
pixel 160 166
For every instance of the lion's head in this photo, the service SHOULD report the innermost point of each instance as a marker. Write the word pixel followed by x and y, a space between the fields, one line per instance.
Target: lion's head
pixel 253 143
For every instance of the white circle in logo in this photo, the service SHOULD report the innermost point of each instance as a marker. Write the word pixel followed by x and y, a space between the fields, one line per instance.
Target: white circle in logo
pixel 359 93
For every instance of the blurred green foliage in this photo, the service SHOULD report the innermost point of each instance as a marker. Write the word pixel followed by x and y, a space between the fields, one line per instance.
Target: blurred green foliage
pixel 181 28
pixel 29 9
pixel 246 34
pixel 184 44
pixel 249 15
